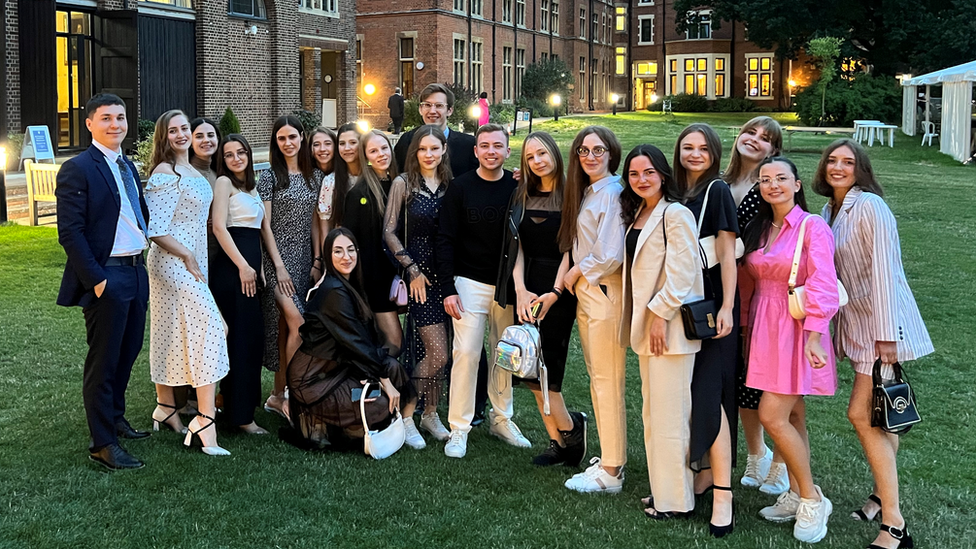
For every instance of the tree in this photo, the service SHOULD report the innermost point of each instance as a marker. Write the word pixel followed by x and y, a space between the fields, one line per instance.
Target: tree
pixel 825 52
pixel 545 78
pixel 889 35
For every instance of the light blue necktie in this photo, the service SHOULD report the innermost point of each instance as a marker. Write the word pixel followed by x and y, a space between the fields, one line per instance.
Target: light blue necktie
pixel 131 191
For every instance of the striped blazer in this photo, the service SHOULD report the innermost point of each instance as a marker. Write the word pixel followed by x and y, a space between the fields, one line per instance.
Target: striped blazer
pixel 868 260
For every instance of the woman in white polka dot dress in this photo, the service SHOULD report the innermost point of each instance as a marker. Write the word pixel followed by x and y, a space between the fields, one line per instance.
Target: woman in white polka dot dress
pixel 187 336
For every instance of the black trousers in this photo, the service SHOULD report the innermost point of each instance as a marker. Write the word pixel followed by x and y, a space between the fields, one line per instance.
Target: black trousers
pixel 116 326
pixel 397 125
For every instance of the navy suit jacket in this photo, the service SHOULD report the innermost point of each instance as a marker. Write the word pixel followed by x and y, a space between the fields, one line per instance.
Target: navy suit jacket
pixel 88 215
pixel 460 148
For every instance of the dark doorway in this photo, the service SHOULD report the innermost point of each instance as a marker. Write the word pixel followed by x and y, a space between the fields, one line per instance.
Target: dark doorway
pixel 75 80
pixel 167 66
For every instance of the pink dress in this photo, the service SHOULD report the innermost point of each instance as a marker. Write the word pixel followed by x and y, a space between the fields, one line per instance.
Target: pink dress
pixel 776 360
pixel 485 114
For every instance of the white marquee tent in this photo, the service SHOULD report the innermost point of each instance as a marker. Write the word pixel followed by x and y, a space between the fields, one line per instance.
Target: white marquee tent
pixel 956 134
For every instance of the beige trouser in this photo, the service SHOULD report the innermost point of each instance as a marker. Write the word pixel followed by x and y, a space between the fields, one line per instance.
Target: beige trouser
pixel 666 388
pixel 598 320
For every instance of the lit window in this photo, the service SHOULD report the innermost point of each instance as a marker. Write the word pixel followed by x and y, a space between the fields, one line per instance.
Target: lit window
pixel 621 60
pixel 646 69
pixel 621 19
pixel 759 77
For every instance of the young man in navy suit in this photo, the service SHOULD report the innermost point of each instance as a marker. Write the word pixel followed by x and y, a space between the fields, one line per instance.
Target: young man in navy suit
pixel 102 223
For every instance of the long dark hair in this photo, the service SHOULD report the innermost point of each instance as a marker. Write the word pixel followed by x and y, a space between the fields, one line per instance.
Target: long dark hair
pixel 758 227
pixel 411 170
pixel 355 282
pixel 335 148
pixel 247 185
pixel 714 144
pixel 630 202
pixel 771 128
pixel 196 123
pixel 341 171
pixel 577 180
pixel 863 172
pixel 279 166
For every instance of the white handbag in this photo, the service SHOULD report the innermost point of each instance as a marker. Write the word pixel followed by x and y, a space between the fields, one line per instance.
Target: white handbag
pixel 707 244
pixel 385 443
pixel 798 296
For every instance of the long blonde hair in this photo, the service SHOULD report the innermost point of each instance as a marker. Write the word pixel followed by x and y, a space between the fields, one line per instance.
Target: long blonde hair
pixel 162 151
pixel 771 128
pixel 369 176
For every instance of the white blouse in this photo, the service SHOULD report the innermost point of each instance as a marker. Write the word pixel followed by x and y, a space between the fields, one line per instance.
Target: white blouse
pixel 245 210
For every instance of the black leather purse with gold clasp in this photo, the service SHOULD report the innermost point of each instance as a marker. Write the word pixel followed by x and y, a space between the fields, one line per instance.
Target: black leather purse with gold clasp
pixel 894 402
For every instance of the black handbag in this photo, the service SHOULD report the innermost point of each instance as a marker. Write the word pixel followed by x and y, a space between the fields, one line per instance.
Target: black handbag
pixel 698 319
pixel 894 409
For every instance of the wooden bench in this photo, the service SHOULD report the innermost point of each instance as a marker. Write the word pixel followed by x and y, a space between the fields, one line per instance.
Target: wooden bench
pixel 790 130
pixel 42 179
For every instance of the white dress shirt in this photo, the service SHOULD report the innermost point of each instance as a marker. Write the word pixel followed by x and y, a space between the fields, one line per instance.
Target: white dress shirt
pixel 599 246
pixel 129 238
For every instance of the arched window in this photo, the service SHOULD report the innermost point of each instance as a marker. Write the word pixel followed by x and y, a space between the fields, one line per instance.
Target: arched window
pixel 248 8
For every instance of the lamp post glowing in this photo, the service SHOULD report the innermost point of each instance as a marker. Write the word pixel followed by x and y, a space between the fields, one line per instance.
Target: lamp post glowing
pixel 556 100
pixel 614 97
pixel 369 89
pixel 476 113
pixel 363 126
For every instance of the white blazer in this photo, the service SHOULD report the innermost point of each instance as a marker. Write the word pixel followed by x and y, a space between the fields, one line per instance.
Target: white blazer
pixel 660 279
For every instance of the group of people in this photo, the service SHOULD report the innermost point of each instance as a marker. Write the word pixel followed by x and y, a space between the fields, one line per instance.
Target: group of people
pixel 307 266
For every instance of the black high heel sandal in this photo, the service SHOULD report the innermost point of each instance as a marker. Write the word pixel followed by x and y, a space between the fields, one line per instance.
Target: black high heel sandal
pixel 901 534
pixel 722 531
pixel 157 422
pixel 193 438
pixel 859 514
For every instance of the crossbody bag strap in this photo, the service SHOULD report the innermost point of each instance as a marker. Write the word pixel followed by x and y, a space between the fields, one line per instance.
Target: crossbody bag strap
pixel 362 406
pixel 701 215
pixel 796 254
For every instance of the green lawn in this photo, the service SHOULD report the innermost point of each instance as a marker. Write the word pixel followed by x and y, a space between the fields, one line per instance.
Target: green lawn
pixel 268 494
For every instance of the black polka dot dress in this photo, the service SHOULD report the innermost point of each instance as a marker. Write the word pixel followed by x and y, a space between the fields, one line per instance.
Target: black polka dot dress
pixel 747 397
pixel 187 335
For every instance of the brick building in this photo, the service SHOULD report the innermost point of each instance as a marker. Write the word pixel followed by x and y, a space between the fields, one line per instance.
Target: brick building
pixel 483 45
pixel 631 49
pixel 262 58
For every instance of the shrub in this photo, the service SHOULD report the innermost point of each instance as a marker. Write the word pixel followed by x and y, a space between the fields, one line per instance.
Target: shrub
pixel 229 123
pixel 539 107
pixel 309 119
pixel 683 102
pixel 545 78
pixel 733 104
pixel 501 113
pixel 142 156
pixel 463 99
pixel 866 97
pixel 146 129
pixel 411 114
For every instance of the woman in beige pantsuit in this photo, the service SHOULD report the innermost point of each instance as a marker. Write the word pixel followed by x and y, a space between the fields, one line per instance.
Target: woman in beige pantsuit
pixel 661 273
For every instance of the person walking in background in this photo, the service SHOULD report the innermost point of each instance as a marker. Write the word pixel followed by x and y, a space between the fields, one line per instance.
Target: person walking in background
pixel 661 273
pixel 880 322
pixel 395 104
pixel 469 242
pixel 102 226
pixel 290 191
pixel 593 201
pixel 535 259
pixel 238 221
pixel 187 336
pixel 759 139
pixel 410 231
pixel 789 358
pixel 697 156
pixel 485 114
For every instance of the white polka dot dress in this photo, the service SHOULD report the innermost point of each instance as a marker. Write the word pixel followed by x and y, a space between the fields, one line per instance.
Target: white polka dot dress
pixel 187 336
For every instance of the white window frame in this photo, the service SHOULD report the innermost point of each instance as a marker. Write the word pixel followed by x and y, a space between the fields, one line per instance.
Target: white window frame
pixel 460 46
pixel 710 73
pixel 554 16
pixel 759 74
pixel 640 25
pixel 477 8
pixel 620 60
pixel 477 65
pixel 519 70
pixel 328 8
pixel 459 6
pixel 645 2
pixel 520 13
pixel 705 19
pixel 544 17
pixel 582 78
pixel 507 11
pixel 583 23
pixel 507 53
pixel 620 18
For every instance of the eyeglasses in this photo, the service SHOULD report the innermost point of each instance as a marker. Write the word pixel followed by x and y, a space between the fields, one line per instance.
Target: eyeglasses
pixel 597 151
pixel 427 106
pixel 779 179
pixel 232 155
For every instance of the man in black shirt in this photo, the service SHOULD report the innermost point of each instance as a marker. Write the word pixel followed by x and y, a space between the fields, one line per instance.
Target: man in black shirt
pixel 472 220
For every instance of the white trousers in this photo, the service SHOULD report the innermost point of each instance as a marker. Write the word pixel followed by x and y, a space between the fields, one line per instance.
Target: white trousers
pixel 480 308
pixel 666 388
pixel 598 321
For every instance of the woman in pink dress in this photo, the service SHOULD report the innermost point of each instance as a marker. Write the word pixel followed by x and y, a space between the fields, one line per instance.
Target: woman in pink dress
pixel 789 358
pixel 485 115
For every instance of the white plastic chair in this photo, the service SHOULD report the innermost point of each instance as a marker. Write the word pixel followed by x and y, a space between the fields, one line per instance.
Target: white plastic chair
pixel 929 132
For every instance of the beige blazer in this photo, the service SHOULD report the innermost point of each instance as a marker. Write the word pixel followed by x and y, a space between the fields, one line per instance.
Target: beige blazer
pixel 660 280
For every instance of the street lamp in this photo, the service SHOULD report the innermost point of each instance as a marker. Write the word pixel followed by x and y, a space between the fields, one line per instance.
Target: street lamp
pixel 556 100
pixel 369 89
pixel 476 113
pixel 614 97
pixel 363 126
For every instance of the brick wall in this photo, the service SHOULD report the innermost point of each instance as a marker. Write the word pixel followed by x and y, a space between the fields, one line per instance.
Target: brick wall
pixel 12 68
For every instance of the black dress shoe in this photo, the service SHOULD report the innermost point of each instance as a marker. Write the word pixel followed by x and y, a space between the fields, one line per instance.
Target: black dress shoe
pixel 479 418
pixel 115 457
pixel 124 430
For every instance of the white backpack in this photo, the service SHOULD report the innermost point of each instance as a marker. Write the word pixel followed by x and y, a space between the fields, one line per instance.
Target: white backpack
pixel 519 351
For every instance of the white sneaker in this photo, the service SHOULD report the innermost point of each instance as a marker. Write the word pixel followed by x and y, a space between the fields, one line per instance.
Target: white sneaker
pixel 413 438
pixel 432 424
pixel 457 446
pixel 757 468
pixel 811 518
pixel 784 510
pixel 506 430
pixel 596 479
pixel 777 480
